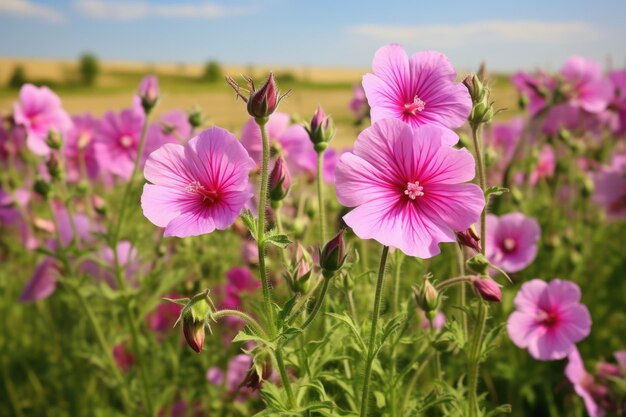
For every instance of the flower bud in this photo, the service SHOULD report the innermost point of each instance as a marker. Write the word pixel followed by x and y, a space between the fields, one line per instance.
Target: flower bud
pixel 332 256
pixel 42 187
pixel 280 180
pixel 321 130
pixel 195 118
pixel 475 87
pixel 488 290
pixel 469 238
pixel 99 205
pixel 148 92
pixel 55 168
pixel 263 102
pixel 54 140
pixel 257 374
pixel 194 332
pixel 301 276
pixel 427 297
pixel 479 264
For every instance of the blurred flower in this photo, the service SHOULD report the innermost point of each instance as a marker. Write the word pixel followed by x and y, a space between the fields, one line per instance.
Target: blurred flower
pixel 11 216
pixel 545 167
pixel 117 141
pixel 79 149
pixel 512 241
pixel 549 319
pixel 618 104
pixel 250 252
pixel 585 86
pixel 503 139
pixel 583 383
pixel 198 187
pixel 358 105
pixel 610 187
pixel 418 90
pixel 234 377
pixel 538 87
pixel 39 110
pixel 172 127
pixel 438 322
pixel 164 316
pixel 124 359
pixel 104 270
pixel 12 140
pixel 290 141
pixel 43 282
pixel 408 189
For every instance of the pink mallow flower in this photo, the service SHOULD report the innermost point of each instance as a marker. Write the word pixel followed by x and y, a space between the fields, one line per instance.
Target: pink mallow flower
pixel 548 319
pixel 584 384
pixel 418 90
pixel 584 85
pixel 407 187
pixel 79 149
pixel 512 241
pixel 43 282
pixel 172 127
pixel 39 110
pixel 546 164
pixel 290 141
pixel 164 316
pixel 358 105
pixel 610 187
pixel 198 187
pixel 618 104
pixel 117 141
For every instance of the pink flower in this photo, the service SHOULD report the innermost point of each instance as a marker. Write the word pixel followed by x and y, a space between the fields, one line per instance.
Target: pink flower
pixel 583 383
pixel 438 322
pixel 11 216
pixel 149 89
pixel 549 319
pixel 163 317
pixel 504 137
pixel 12 139
pixel 610 187
pixel 124 359
pixel 198 187
pixel 358 104
pixel 39 111
pixel 585 86
pixel 512 241
pixel 546 164
pixel 537 87
pixel 235 375
pixel 418 90
pixel 79 149
pixel 291 141
pixel 172 127
pixel 407 187
pixel 43 282
pixel 618 78
pixel 127 257
pixel 117 141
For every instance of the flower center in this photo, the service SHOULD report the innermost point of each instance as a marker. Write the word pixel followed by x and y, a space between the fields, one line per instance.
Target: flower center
pixel 416 105
pixel 509 244
pixel 83 140
pixel 547 318
pixel 414 190
pixel 126 141
pixel 195 187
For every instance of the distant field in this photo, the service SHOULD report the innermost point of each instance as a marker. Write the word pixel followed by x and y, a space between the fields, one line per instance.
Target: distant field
pixel 183 88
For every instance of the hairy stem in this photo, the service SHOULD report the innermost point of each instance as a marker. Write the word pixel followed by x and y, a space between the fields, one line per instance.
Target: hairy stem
pixel 318 303
pixel 320 196
pixel 372 341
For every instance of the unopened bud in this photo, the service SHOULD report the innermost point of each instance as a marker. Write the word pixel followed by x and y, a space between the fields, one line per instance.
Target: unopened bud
pixel 264 101
pixel 54 140
pixel 55 168
pixel 42 187
pixel 148 92
pixel 98 204
pixel 195 118
pixel 469 238
pixel 280 180
pixel 488 290
pixel 301 276
pixel 475 87
pixel 321 130
pixel 194 332
pixel 479 264
pixel 332 256
pixel 427 297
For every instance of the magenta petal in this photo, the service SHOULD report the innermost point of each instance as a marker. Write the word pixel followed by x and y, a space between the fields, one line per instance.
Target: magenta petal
pixel 43 281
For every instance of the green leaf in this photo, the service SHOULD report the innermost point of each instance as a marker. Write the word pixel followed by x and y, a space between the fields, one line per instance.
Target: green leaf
pixel 345 319
pixel 495 191
pixel 282 241
pixel 380 399
pixel 502 409
pixel 250 222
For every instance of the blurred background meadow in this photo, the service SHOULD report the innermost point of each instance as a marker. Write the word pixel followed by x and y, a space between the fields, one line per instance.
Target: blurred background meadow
pixel 93 55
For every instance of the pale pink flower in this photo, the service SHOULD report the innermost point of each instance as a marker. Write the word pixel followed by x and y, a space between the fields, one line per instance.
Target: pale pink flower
pixel 511 241
pixel 291 141
pixel 407 187
pixel 172 127
pixel 39 110
pixel 585 85
pixel 117 141
pixel 358 104
pixel 438 322
pixel 198 187
pixel 127 257
pixel 610 187
pixel 583 383
pixel 548 319
pixel 79 149
pixel 418 90
pixel 546 164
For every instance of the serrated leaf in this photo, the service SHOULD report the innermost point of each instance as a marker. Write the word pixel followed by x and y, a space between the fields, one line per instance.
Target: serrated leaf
pixel 282 241
pixel 250 222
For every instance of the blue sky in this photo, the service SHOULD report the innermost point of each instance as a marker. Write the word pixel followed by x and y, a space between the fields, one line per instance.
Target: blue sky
pixel 342 33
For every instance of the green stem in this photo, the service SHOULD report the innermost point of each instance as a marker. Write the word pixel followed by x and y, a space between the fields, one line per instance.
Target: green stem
pixel 283 251
pixel 372 341
pixel 409 388
pixel 252 323
pixel 476 342
pixel 395 295
pixel 267 298
pixel 462 287
pixel 452 281
pixel 318 304
pixel 284 377
pixel 320 195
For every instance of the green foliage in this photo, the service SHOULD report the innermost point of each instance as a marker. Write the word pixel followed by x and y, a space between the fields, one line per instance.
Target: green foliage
pixel 213 72
pixel 18 77
pixel 89 68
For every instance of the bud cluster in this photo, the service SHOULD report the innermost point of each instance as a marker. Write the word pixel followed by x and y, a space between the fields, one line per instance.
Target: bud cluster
pixel 482 109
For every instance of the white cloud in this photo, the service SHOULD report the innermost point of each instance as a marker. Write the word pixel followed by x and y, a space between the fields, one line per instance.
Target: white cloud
pixel 26 8
pixel 476 33
pixel 134 10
